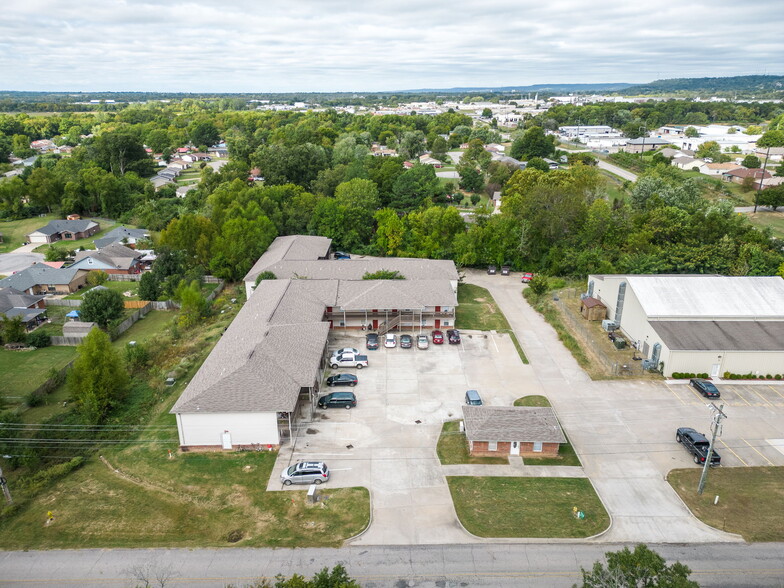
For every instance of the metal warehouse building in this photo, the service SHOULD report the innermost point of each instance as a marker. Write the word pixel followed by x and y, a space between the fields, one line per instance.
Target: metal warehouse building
pixel 699 323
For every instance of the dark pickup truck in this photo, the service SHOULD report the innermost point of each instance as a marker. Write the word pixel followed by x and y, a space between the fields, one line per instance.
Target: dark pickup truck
pixel 697 444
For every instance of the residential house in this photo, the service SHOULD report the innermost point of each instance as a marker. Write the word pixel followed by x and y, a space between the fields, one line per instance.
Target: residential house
pixel 698 323
pixel 15 303
pixel 42 279
pixel 43 145
pixel 64 230
pixel 687 163
pixel 123 235
pixel 427 159
pixel 112 259
pixel 776 154
pixel 717 169
pixel 512 430
pixel 738 176
pixel 195 157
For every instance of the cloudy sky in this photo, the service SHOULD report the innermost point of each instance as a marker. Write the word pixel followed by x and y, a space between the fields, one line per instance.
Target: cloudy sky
pixel 348 45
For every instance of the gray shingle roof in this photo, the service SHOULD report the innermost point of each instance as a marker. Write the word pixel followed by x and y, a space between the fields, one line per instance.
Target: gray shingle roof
pixel 118 234
pixel 397 294
pixel 721 335
pixel 290 247
pixel 115 255
pixel 11 298
pixel 354 269
pixel 258 366
pixel 72 226
pixel 39 274
pixel 512 423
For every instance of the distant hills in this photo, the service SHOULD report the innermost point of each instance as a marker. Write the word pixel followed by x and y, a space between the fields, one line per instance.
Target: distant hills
pixel 746 85
pixel 543 88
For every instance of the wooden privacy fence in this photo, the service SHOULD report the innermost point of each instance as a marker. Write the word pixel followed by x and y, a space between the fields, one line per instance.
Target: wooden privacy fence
pixel 62 302
pixel 135 303
pixel 125 277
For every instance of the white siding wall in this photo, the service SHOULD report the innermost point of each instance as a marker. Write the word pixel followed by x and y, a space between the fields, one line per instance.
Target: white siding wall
pixel 736 362
pixel 244 427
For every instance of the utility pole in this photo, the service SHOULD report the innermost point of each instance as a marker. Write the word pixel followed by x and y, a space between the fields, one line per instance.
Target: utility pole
pixel 6 491
pixel 718 415
pixel 759 186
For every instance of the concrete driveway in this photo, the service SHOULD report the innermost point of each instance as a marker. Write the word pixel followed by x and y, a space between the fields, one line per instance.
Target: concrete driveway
pixel 19 259
pixel 388 442
pixel 624 431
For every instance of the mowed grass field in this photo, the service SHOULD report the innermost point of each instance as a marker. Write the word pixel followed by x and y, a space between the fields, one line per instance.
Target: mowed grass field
pixel 23 371
pixel 14 231
pixel 527 507
pixel 141 498
pixel 751 500
pixel 774 220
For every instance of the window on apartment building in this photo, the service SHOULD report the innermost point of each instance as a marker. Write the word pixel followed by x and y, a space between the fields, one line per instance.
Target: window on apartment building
pixel 341 324
pixel 537 446
pixel 445 323
pixel 492 445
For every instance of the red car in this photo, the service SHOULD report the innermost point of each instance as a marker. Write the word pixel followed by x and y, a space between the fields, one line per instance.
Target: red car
pixel 527 277
pixel 438 338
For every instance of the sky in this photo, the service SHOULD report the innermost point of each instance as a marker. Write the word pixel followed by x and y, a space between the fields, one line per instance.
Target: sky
pixel 353 46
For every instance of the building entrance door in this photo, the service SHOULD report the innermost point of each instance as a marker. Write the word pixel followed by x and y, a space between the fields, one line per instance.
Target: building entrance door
pixel 226 440
pixel 515 450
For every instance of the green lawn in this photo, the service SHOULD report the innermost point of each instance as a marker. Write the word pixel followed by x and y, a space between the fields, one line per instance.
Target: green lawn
pixel 477 310
pixel 121 287
pixel 23 371
pixel 193 500
pixel 527 507
pixel 14 231
pixel 774 220
pixel 751 500
pixel 452 447
pixel 533 400
pixel 145 328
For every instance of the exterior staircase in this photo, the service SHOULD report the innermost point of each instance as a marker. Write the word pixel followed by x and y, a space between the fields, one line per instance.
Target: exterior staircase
pixel 384 328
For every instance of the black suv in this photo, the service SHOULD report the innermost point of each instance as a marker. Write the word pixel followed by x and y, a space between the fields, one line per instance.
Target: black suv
pixel 342 380
pixel 453 336
pixel 704 387
pixel 406 341
pixel 345 400
pixel 371 340
pixel 697 444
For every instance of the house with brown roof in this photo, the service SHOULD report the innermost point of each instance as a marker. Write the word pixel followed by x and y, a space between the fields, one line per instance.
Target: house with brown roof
pixel 737 176
pixel 14 303
pixel 512 430
pixel 39 278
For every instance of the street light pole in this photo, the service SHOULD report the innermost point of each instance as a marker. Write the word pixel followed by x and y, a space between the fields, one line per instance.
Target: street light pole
pixel 643 131
pixel 759 186
pixel 716 427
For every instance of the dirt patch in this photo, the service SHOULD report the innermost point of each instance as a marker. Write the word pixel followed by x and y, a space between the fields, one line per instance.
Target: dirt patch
pixel 311 431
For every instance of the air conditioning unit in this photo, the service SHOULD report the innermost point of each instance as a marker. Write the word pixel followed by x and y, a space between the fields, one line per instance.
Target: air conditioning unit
pixel 609 325
pixel 648 364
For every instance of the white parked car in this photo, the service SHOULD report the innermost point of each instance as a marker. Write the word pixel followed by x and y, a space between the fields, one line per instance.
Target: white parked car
pixel 390 340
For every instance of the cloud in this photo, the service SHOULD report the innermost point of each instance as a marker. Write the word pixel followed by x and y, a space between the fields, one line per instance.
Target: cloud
pixel 327 45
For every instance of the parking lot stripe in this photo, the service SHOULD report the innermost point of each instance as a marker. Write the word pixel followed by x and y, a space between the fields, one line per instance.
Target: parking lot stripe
pixel 697 395
pixel 763 398
pixel 776 391
pixel 757 450
pixel 675 394
pixel 733 453
pixel 735 390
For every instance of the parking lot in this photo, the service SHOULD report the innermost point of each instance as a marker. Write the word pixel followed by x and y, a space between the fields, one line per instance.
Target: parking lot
pixel 388 441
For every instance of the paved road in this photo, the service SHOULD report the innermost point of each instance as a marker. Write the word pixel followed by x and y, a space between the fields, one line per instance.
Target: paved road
pixel 413 566
pixel 618 171
pixel 643 506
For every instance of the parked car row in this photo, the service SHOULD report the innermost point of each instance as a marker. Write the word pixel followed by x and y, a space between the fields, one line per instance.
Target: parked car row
pixel 506 270
pixel 406 341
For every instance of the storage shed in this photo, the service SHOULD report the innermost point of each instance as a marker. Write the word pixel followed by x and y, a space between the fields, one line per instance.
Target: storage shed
pixel 592 309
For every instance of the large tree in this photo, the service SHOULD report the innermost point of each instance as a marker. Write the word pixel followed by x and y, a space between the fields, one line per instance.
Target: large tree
pixel 98 379
pixel 533 143
pixel 101 305
pixel 119 152
pixel 203 133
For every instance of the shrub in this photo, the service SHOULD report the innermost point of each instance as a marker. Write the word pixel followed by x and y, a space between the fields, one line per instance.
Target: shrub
pixel 768 377
pixel 777 376
pixel 44 478
pixel 475 198
pixel 38 339
pixel 97 277
pixel 703 375
pixel 136 356
pixel 727 375
pixel 539 285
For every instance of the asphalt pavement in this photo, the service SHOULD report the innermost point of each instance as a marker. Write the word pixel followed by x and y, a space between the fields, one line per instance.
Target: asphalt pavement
pixel 537 565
